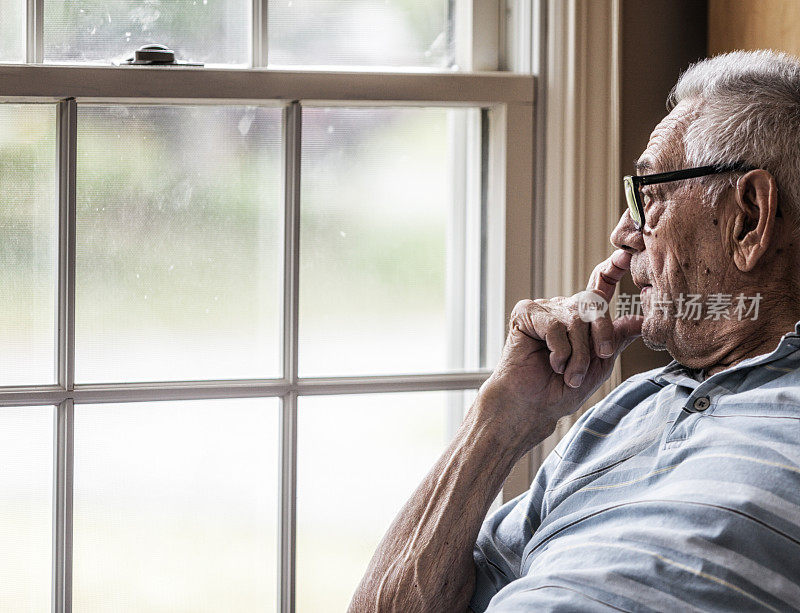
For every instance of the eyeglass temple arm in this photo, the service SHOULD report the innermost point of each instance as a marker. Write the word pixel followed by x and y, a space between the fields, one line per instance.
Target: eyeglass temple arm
pixel 691 173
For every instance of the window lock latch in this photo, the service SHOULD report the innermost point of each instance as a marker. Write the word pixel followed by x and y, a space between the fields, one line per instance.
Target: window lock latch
pixel 155 55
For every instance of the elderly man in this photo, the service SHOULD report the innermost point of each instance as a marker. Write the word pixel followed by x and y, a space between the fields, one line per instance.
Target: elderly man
pixel 681 489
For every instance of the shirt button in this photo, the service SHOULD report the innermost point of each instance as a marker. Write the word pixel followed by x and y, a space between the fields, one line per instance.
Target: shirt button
pixel 702 403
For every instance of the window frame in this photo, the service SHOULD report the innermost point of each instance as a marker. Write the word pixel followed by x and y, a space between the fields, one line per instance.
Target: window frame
pixel 508 135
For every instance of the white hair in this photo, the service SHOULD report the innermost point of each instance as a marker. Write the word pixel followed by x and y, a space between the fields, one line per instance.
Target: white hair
pixel 748 111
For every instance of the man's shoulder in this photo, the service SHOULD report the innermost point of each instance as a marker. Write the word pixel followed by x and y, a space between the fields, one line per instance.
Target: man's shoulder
pixel 629 401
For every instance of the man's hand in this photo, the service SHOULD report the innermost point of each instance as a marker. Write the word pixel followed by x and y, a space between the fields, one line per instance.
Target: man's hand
pixel 553 360
pixel 424 564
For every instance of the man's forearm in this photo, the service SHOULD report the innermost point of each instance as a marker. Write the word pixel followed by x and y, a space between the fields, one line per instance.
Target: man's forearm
pixel 424 563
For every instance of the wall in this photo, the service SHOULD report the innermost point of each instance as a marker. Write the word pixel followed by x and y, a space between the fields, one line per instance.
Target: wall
pixel 753 24
pixel 660 38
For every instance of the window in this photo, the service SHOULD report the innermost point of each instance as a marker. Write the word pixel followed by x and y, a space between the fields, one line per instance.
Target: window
pixel 243 306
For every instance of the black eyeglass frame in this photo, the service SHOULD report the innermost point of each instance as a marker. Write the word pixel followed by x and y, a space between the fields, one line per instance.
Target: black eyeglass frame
pixel 632 183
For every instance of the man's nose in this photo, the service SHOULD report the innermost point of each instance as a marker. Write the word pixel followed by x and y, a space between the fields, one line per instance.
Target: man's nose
pixel 626 236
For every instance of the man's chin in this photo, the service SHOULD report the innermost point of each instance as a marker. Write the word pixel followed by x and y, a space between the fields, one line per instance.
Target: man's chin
pixel 653 334
pixel 655 346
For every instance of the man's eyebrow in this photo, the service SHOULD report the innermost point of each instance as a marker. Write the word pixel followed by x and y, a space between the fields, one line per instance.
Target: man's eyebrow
pixel 643 166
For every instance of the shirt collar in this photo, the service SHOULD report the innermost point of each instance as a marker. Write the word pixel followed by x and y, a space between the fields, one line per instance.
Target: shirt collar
pixel 675 372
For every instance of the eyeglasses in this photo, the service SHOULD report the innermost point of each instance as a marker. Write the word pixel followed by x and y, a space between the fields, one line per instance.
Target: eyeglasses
pixel 633 183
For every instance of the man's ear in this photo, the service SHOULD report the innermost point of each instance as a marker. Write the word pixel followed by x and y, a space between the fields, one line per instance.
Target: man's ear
pixel 756 203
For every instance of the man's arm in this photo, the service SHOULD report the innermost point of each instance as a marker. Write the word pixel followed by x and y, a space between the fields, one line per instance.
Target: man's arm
pixel 425 563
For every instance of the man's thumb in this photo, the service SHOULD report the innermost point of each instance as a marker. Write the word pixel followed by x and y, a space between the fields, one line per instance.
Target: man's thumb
pixel 626 330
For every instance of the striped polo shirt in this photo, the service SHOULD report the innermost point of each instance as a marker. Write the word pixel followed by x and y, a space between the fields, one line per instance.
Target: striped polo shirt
pixel 674 493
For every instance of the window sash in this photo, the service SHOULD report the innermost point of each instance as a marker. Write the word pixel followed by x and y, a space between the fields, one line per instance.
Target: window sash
pixel 508 100
pixel 504 184
pixel 479 27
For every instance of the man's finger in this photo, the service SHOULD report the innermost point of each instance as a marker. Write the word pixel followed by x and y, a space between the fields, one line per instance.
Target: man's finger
pixel 555 335
pixel 580 358
pixel 607 274
pixel 602 337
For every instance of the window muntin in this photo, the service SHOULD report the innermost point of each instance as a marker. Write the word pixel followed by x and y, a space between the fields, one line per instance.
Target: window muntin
pixel 28 243
pixel 179 243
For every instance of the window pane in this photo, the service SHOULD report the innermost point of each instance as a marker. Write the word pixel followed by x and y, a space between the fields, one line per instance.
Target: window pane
pixel 28 244
pixel 12 31
pixel 359 459
pixel 26 502
pixel 175 506
pixel 396 33
pixel 378 255
pixel 179 243
pixel 207 31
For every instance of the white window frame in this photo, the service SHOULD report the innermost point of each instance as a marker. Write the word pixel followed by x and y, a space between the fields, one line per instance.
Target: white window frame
pixel 576 55
pixel 509 103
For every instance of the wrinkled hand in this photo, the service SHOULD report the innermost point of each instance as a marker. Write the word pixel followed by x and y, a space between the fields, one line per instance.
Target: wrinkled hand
pixel 553 360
